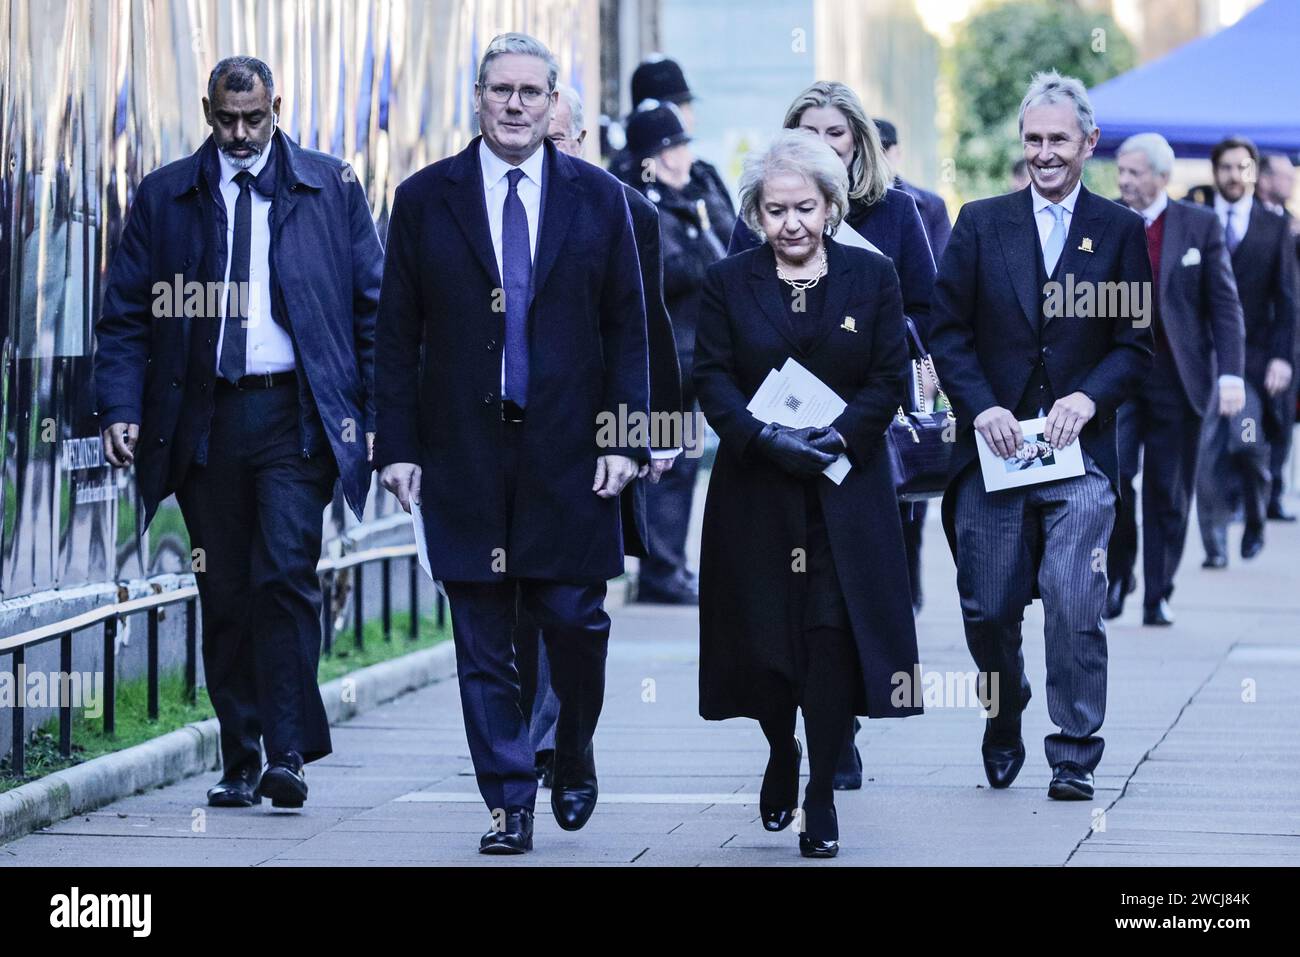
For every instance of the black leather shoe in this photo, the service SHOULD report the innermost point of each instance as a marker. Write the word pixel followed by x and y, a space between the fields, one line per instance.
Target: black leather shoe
pixel 778 799
pixel 573 793
pixel 1278 513
pixel 1004 755
pixel 284 782
pixel 1070 783
pixel 515 835
pixel 821 837
pixel 1115 595
pixel 238 789
pixel 1252 541
pixel 1158 614
pixel 1215 560
pixel 680 592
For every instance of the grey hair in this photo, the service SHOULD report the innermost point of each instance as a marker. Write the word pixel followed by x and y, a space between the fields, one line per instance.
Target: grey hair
pixel 238 73
pixel 1154 147
pixel 569 96
pixel 805 154
pixel 521 43
pixel 1051 87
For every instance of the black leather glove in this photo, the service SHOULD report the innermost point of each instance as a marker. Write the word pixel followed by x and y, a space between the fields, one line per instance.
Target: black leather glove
pixel 828 440
pixel 791 451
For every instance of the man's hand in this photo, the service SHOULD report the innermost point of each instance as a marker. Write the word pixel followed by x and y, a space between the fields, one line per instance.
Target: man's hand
pixel 658 467
pixel 612 473
pixel 403 480
pixel 1232 398
pixel 1001 430
pixel 370 446
pixel 1067 419
pixel 119 443
pixel 1277 377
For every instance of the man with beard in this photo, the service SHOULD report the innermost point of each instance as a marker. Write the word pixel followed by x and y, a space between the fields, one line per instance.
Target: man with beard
pixel 251 410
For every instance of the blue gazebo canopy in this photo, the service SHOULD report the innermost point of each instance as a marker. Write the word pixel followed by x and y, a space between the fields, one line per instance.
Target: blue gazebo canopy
pixel 1242 80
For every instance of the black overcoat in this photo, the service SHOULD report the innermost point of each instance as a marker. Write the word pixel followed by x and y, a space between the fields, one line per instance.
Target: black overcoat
pixel 438 349
pixel 755 514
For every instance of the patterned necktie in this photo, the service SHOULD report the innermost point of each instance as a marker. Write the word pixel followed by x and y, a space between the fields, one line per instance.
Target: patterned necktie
pixel 516 276
pixel 234 342
pixel 1055 239
pixel 1230 234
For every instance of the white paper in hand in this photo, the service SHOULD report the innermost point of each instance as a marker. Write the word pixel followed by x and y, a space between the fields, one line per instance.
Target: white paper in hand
pixel 794 397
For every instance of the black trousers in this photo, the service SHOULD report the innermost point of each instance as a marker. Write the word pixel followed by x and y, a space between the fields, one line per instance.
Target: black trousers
pixel 256 513
pixel 1160 426
pixel 486 618
pixel 1280 450
pixel 831 680
pixel 668 511
pixel 1235 455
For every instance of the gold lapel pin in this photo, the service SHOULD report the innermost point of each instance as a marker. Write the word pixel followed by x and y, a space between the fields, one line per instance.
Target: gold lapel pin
pixel 1086 245
pixel 850 324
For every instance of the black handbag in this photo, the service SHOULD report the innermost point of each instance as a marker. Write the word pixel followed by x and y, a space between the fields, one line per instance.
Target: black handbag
pixel 921 439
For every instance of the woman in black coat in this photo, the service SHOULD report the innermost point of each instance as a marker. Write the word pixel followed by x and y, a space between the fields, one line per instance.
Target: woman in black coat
pixel 803 585
pixel 889 221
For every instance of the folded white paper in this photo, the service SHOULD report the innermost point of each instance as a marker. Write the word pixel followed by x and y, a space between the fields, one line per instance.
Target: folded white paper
pixel 794 397
pixel 1035 462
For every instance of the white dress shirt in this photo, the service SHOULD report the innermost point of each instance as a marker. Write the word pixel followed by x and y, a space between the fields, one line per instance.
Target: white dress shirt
pixel 1043 218
pixel 1150 215
pixel 269 347
pixel 1152 212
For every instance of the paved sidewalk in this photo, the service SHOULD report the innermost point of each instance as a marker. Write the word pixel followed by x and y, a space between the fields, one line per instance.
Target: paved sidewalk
pixel 1200 765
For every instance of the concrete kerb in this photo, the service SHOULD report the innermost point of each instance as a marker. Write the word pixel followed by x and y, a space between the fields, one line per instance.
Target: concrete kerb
pixel 196 748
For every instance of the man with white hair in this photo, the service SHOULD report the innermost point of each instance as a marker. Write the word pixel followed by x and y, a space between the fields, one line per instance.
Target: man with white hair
pixel 1199 329
pixel 1005 357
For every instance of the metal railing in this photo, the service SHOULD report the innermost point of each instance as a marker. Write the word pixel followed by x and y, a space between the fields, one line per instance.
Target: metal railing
pixel 109 615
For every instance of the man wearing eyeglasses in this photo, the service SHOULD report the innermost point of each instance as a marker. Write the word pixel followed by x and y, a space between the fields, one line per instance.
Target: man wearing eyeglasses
pixel 511 325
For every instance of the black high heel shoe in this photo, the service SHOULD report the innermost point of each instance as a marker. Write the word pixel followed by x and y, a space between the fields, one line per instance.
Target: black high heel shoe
pixel 822 835
pixel 779 775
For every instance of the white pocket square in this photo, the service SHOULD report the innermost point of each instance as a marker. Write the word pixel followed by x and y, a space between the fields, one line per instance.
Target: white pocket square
pixel 1192 257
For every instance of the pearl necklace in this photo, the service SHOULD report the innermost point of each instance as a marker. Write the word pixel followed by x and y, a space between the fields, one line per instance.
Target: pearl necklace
pixel 801 284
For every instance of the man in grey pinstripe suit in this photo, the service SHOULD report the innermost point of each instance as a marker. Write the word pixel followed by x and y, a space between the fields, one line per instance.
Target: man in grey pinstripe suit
pixel 1004 356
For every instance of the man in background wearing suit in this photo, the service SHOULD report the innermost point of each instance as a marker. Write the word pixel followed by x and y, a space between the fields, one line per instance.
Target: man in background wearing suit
pixel 511 324
pixel 538 699
pixel 1200 343
pixel 1274 188
pixel 1236 450
pixel 1002 360
pixel 249 422
pixel 933 210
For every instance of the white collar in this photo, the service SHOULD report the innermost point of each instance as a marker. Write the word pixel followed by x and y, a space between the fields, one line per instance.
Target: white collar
pixel 1241 208
pixel 1041 204
pixel 1152 212
pixel 495 168
pixel 229 170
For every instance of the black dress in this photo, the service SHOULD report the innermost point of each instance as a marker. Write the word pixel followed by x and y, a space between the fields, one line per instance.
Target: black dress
pixel 821 596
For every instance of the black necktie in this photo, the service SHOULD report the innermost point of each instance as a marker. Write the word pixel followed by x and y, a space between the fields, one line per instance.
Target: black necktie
pixel 234 343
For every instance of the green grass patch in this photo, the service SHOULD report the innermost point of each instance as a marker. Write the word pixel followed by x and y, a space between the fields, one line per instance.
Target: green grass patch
pixel 134 727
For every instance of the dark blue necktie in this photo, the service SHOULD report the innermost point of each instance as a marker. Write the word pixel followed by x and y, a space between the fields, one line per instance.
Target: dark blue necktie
pixel 1230 235
pixel 516 275
pixel 234 342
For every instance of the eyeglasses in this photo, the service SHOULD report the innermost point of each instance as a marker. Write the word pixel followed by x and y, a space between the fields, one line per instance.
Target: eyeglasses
pixel 529 96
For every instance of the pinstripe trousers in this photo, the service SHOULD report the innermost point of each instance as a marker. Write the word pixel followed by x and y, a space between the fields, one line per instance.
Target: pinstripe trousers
pixel 999 535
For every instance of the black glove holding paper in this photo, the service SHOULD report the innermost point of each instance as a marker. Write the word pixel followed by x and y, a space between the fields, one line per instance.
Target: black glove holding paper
pixel 792 450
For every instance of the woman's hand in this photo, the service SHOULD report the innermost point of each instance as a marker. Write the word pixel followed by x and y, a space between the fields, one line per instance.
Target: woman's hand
pixel 792 449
